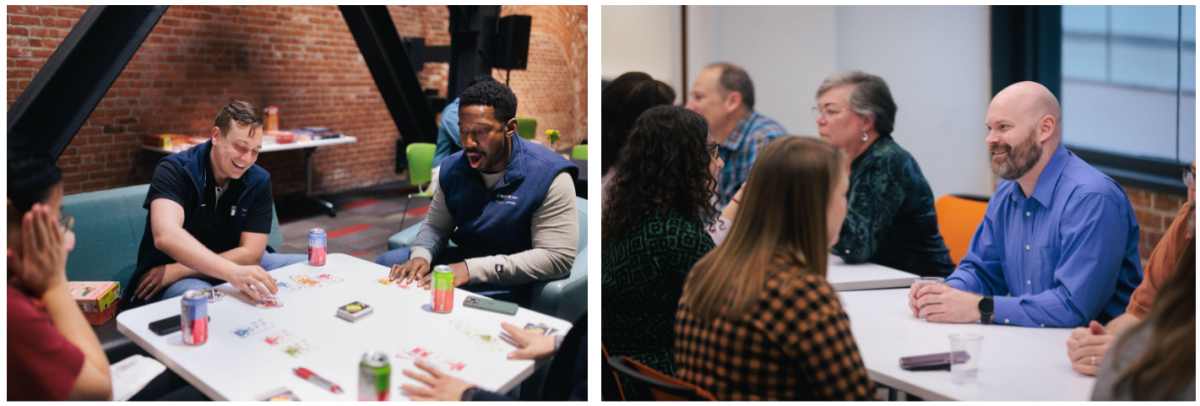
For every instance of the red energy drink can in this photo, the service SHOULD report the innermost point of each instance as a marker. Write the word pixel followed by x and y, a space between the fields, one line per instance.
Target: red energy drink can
pixel 194 317
pixel 374 377
pixel 443 289
pixel 316 246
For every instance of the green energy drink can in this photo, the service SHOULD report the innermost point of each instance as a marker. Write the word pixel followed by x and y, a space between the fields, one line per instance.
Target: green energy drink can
pixel 443 289
pixel 374 377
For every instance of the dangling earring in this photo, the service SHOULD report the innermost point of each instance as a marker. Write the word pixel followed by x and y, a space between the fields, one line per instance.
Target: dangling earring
pixel 864 137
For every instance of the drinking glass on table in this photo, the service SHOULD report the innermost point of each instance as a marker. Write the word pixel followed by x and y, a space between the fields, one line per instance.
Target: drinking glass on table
pixel 964 357
pixel 928 280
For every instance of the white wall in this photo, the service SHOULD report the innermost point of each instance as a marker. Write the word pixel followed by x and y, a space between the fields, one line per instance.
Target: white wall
pixel 937 65
pixel 935 60
pixel 645 39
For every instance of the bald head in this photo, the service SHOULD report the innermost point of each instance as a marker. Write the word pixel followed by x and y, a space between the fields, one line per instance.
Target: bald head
pixel 1028 103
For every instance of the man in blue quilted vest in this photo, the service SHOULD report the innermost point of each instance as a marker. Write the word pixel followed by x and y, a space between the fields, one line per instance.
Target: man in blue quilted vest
pixel 507 203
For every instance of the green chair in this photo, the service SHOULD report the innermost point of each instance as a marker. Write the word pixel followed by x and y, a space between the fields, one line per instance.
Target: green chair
pixel 579 152
pixel 420 166
pixel 527 127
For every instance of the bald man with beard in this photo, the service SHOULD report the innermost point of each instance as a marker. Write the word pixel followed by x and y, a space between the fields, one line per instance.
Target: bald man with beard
pixel 1058 246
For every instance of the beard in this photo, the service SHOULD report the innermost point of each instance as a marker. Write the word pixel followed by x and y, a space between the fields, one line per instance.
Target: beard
pixel 1018 160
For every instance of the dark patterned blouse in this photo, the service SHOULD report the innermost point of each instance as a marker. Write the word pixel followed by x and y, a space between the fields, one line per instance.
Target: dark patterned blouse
pixel 795 345
pixel 890 218
pixel 642 278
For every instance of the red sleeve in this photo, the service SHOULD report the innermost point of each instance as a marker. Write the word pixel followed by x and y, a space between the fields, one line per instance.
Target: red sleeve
pixel 42 364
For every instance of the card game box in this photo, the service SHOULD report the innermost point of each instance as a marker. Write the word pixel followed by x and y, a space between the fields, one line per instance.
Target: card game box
pixel 98 319
pixel 95 297
pixel 354 311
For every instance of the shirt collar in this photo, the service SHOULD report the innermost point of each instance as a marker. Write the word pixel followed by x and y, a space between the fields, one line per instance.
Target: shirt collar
pixel 734 142
pixel 1048 180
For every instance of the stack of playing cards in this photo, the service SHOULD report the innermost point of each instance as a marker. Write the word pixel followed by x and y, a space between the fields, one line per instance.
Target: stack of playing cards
pixel 540 328
pixel 355 311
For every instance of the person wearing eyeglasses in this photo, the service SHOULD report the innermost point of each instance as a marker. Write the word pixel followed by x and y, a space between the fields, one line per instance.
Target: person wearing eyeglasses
pixel 654 230
pixel 891 219
pixel 724 94
pixel 53 354
pixel 508 205
pixel 1087 345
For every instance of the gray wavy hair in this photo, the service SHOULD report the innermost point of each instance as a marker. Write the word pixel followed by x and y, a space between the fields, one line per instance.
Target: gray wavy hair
pixel 869 97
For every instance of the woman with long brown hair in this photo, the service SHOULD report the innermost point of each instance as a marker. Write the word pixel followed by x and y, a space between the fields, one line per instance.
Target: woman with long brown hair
pixel 759 302
pixel 1156 360
pixel 654 231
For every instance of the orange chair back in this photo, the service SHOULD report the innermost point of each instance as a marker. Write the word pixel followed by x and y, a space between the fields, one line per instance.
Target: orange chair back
pixel 610 387
pixel 660 386
pixel 958 218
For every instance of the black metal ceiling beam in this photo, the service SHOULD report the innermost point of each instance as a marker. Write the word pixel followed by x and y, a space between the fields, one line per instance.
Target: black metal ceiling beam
pixel 473 33
pixel 377 39
pixel 62 95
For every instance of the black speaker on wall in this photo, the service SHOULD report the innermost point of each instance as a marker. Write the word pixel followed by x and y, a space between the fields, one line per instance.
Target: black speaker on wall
pixel 512 46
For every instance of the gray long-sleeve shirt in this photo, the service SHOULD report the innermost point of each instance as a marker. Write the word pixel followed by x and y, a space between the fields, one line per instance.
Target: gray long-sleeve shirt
pixel 555 238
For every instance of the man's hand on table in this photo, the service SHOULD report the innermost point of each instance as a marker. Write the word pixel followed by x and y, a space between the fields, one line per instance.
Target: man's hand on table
pixel 252 280
pixel 157 279
pixel 412 270
pixel 440 387
pixel 533 345
pixel 461 276
pixel 1086 348
pixel 940 303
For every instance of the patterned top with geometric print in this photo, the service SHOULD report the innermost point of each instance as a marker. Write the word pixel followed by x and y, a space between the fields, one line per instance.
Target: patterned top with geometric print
pixel 641 280
pixel 795 344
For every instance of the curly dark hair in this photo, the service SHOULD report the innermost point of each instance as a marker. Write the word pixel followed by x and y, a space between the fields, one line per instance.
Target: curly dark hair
pixel 493 94
pixel 622 101
pixel 666 158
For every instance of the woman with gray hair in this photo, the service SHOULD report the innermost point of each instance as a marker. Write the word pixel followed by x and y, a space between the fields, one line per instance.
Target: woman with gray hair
pixel 891 219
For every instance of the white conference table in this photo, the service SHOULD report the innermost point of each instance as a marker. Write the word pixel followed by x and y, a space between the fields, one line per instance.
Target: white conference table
pixel 1016 363
pixel 845 277
pixel 309 147
pixel 229 367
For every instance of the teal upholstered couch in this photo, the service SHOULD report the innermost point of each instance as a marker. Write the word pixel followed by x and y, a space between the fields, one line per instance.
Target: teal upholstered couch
pixel 563 298
pixel 108 230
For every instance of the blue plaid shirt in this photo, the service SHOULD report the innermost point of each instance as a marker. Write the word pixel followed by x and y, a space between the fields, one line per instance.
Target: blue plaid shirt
pixel 739 151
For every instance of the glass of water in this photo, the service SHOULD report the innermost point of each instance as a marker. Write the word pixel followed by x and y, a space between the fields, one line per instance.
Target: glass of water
pixel 928 280
pixel 964 357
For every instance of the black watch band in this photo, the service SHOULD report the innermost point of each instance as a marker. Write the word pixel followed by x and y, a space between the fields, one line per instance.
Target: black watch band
pixel 469 394
pixel 987 310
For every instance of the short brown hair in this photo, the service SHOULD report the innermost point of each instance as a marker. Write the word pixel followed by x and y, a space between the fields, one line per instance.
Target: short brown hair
pixel 735 79
pixel 242 112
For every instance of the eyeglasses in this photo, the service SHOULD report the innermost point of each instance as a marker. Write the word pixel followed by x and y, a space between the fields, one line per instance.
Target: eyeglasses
pixel 66 221
pixel 713 148
pixel 817 112
pixel 1189 177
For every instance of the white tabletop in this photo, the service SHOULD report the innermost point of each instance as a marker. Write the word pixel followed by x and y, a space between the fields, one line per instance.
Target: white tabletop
pixel 229 367
pixel 1016 363
pixel 279 147
pixel 845 277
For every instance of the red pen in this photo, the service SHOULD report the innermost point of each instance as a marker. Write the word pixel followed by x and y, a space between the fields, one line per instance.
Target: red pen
pixel 319 381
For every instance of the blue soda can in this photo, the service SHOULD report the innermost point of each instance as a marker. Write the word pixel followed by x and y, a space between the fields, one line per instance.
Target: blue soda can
pixel 316 246
pixel 194 317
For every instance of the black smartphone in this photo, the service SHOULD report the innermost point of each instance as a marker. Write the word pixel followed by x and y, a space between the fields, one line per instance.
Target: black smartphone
pixel 932 362
pixel 166 326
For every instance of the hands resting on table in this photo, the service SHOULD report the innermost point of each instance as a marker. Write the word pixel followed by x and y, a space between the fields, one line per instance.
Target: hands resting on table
pixel 442 387
pixel 941 303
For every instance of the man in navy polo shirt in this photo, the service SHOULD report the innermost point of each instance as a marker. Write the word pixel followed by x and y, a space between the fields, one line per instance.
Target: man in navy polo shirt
pixel 507 203
pixel 210 216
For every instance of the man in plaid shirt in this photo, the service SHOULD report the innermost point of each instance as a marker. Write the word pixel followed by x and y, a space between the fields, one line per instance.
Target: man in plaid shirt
pixel 724 94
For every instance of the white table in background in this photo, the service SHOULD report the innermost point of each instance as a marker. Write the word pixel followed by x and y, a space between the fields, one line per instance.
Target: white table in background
pixel 845 277
pixel 309 147
pixel 228 367
pixel 1016 363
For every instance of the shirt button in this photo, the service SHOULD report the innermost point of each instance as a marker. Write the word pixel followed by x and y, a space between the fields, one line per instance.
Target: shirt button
pixel 1043 325
pixel 1026 214
pixel 847 251
pixel 1029 282
pixel 1026 247
pixel 1005 321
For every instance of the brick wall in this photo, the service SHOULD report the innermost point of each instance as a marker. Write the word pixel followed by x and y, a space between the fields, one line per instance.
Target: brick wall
pixel 1155 212
pixel 300 58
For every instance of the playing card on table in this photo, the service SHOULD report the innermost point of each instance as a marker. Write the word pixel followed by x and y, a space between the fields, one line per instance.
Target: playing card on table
pixel 299 348
pixel 253 328
pixel 279 337
pixel 433 357
pixel 329 278
pixel 269 301
pixel 213 294
pixel 306 281
pixel 287 286
pixel 539 328
pixel 279 395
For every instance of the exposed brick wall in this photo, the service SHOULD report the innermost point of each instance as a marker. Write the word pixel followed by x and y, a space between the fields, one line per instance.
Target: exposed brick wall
pixel 301 58
pixel 1155 212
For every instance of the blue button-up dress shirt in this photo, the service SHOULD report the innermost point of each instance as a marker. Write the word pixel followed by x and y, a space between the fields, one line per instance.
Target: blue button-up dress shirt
pixel 1061 257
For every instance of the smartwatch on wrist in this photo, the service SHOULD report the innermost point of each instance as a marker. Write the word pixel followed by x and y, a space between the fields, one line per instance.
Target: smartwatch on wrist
pixel 987 308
